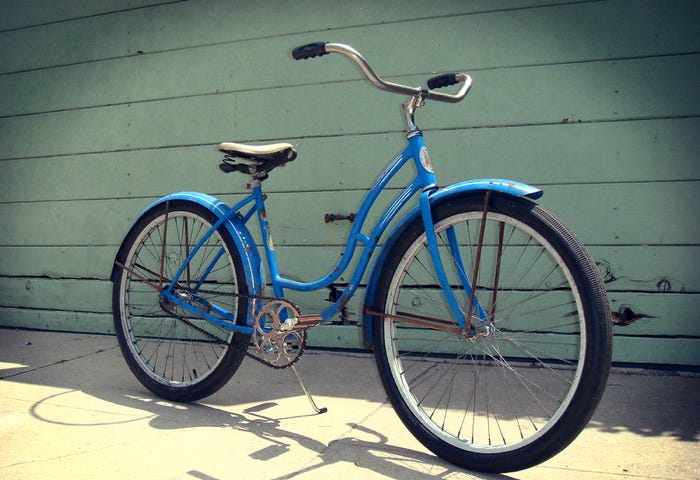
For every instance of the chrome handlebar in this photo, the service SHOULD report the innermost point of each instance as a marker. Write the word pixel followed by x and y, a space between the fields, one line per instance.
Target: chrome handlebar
pixel 319 49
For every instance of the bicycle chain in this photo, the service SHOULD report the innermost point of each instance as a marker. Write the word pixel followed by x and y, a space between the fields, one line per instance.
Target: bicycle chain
pixel 267 299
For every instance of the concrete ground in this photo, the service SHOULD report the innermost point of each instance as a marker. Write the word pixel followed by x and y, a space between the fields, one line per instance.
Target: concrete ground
pixel 70 408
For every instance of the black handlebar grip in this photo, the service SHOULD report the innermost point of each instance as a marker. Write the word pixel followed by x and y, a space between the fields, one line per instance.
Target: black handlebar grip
pixel 444 80
pixel 311 50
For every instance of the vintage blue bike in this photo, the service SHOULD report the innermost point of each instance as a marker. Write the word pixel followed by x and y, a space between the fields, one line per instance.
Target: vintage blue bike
pixel 487 317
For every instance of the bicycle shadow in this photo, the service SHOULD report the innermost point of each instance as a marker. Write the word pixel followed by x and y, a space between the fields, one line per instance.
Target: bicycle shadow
pixel 363 447
pixel 97 370
pixel 97 391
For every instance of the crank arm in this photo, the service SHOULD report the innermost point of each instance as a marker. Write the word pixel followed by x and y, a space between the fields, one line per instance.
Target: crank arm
pixel 308 321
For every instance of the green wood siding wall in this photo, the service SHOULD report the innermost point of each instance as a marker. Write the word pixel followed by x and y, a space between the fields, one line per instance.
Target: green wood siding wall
pixel 107 105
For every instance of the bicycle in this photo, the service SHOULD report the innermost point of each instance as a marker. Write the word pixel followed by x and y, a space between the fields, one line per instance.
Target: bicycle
pixel 488 318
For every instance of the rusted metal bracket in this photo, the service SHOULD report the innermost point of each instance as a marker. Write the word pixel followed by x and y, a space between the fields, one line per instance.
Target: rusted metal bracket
pixel 157 287
pixel 421 321
pixel 477 261
pixel 333 217
pixel 334 294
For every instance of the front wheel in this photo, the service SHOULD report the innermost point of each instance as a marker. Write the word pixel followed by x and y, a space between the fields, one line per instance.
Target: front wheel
pixel 521 390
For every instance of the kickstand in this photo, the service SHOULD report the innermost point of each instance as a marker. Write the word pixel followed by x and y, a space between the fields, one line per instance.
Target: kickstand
pixel 308 395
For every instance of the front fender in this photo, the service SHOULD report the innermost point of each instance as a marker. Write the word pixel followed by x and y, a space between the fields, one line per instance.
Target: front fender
pixel 507 187
pixel 240 234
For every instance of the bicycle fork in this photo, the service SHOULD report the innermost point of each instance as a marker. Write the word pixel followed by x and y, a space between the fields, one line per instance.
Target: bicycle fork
pixel 467 329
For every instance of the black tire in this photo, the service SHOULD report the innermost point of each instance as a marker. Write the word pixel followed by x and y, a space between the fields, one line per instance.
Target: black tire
pixel 175 354
pixel 513 398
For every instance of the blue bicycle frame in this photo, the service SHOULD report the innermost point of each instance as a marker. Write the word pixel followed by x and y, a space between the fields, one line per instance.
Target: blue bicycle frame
pixel 424 182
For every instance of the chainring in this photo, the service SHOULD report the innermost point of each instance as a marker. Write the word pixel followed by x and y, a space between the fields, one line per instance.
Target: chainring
pixel 277 342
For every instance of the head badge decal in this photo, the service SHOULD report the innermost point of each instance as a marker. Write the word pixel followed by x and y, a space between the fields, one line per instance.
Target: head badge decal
pixel 425 159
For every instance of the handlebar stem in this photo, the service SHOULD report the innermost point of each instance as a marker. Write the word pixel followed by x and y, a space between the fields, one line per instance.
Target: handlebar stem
pixel 409 109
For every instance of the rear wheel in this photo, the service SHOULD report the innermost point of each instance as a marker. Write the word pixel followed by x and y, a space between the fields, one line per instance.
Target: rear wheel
pixel 521 389
pixel 175 353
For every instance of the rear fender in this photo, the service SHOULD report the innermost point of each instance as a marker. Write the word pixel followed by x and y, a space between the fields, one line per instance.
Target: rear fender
pixel 469 187
pixel 240 234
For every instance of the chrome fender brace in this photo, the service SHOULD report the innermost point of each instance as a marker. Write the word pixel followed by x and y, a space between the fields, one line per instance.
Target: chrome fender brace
pixel 469 187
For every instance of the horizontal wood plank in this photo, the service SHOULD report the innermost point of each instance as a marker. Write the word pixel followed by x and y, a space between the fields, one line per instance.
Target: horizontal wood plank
pixel 641 269
pixel 34 13
pixel 607 214
pixel 56 320
pixel 667 351
pixel 635 151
